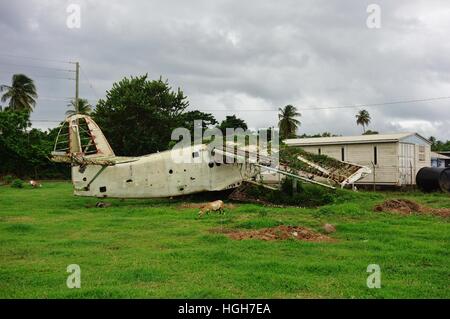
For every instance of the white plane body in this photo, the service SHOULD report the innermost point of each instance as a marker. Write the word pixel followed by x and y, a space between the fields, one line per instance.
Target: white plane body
pixel 99 173
pixel 157 175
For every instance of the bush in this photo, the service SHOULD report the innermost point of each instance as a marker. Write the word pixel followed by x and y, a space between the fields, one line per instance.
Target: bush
pixel 17 183
pixel 306 196
pixel 8 179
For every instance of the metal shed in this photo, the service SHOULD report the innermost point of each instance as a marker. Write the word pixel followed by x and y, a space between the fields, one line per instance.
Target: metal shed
pixel 395 159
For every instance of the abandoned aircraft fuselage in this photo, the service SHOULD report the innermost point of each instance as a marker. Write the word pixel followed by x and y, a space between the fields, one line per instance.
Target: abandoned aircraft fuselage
pixel 157 175
pixel 96 171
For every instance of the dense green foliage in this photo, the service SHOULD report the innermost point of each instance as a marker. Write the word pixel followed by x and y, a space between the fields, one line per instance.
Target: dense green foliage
pixel 363 119
pixel 138 115
pixel 324 134
pixel 187 120
pixel 21 94
pixel 439 146
pixel 83 107
pixel 160 249
pixel 24 152
pixel 306 195
pixel 370 132
pixel 289 155
pixel 8 179
pixel 17 183
pixel 288 124
pixel 232 122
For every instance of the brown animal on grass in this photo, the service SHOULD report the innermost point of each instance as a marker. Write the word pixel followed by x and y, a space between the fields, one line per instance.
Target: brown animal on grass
pixel 35 184
pixel 215 206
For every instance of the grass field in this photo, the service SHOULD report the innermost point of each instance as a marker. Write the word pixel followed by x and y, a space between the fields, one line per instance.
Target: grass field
pixel 156 248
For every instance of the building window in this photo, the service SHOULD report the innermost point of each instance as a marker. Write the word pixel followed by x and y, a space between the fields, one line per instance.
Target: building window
pixel 342 154
pixel 422 153
pixel 319 151
pixel 375 155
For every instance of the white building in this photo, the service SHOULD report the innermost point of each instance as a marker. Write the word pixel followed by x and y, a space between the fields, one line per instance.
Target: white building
pixel 394 159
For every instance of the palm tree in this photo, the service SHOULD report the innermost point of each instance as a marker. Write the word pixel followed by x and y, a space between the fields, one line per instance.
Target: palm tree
pixel 288 123
pixel 21 94
pixel 363 118
pixel 83 107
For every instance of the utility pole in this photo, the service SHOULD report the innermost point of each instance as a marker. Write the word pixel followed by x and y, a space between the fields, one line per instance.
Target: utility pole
pixel 77 82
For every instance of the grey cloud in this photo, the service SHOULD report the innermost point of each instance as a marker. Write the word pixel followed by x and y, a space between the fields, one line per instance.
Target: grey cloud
pixel 249 55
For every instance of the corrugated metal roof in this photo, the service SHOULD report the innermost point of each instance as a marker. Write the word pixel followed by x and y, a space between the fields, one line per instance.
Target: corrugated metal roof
pixel 439 156
pixel 358 139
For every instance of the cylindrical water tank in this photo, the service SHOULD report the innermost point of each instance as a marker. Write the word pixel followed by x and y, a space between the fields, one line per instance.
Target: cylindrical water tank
pixel 431 179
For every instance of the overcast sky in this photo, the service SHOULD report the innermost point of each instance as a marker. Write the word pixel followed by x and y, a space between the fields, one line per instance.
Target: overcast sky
pixel 245 57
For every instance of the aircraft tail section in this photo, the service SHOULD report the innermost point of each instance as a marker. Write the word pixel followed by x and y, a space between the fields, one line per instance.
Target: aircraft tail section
pixel 80 138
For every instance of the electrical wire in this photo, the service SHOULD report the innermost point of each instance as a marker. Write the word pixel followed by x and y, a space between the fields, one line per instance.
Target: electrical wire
pixel 36 66
pixel 322 108
pixel 46 77
pixel 315 108
pixel 218 109
pixel 33 58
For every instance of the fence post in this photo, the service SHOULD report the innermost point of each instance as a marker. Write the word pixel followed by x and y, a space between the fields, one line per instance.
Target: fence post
pixel 374 177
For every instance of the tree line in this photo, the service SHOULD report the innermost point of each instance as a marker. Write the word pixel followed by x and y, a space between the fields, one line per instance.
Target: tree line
pixel 137 116
pixel 24 150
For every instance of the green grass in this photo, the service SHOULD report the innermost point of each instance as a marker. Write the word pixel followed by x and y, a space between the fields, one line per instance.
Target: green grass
pixel 155 249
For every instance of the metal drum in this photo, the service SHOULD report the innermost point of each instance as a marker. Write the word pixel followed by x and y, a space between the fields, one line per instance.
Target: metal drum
pixel 431 179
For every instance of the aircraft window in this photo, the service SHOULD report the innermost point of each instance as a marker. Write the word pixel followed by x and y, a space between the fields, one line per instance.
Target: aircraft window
pixel 102 189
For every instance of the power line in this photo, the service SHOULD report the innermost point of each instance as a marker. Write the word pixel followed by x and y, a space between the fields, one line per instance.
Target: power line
pixel 378 104
pixel 47 77
pixel 62 98
pixel 36 66
pixel 315 108
pixel 320 108
pixel 33 58
pixel 52 98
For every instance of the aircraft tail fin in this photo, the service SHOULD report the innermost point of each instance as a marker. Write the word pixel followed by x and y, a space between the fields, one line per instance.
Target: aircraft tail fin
pixel 80 137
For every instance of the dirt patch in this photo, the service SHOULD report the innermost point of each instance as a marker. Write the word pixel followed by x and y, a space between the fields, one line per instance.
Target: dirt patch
pixel 200 205
pixel 277 233
pixel 240 195
pixel 408 207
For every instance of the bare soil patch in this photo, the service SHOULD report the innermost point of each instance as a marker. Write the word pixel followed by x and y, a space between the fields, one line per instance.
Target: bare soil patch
pixel 240 195
pixel 408 207
pixel 277 233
